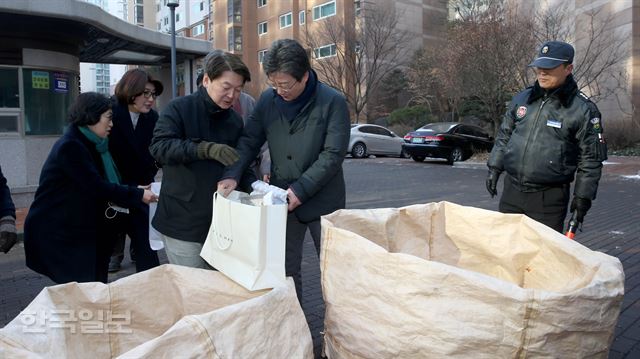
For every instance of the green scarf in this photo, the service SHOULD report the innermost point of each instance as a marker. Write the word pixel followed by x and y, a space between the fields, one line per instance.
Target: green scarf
pixel 102 146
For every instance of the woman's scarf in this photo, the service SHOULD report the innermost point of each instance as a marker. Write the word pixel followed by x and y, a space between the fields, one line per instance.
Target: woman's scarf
pixel 102 146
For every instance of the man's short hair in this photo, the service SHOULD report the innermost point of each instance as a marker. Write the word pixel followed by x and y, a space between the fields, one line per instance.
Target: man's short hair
pixel 218 61
pixel 287 56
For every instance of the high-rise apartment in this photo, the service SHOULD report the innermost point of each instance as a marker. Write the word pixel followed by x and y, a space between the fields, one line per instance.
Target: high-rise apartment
pixel 248 27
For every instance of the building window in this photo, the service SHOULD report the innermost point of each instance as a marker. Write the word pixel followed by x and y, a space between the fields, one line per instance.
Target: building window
pixel 234 11
pixel 177 17
pixel 324 51
pixel 234 39
pixel 201 5
pixel 9 100
pixel 159 26
pixel 286 20
pixel 166 20
pixel 197 30
pixel 324 10
pixel 157 7
pixel 138 12
pixel 357 7
pixel 302 16
pixel 261 54
pixel 262 28
pixel 262 3
pixel 47 96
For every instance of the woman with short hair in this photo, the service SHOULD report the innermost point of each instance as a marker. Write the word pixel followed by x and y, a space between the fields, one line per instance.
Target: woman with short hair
pixel 66 233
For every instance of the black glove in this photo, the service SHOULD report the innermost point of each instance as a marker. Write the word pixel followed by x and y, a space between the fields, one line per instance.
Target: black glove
pixel 492 181
pixel 8 233
pixel 580 206
pixel 224 154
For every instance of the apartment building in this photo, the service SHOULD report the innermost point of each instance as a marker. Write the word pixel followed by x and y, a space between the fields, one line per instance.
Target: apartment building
pixel 617 96
pixel 248 27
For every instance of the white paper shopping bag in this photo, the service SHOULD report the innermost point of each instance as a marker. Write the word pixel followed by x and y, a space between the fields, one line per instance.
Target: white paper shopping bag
pixel 246 240
pixel 155 239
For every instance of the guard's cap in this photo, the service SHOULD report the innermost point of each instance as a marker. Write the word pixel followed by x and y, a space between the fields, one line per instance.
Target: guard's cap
pixel 553 54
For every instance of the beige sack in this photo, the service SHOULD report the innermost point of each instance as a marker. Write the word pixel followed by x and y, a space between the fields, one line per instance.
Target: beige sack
pixel 166 312
pixel 441 280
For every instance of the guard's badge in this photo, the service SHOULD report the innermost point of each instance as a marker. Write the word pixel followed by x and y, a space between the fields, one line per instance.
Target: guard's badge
pixel 522 111
pixel 545 49
pixel 595 120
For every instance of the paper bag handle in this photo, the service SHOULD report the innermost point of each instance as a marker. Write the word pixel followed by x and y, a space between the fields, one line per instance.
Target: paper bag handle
pixel 218 235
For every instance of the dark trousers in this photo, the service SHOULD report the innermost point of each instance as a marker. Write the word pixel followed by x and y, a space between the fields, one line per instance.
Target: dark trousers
pixel 296 231
pixel 548 206
pixel 136 225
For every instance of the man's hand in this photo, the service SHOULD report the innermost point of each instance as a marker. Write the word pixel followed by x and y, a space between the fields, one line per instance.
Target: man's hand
pixel 226 186
pixel 581 206
pixel 292 199
pixel 224 154
pixel 8 233
pixel 492 181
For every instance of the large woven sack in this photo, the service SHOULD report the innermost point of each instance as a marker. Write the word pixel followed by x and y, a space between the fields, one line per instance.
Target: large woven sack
pixel 441 280
pixel 167 312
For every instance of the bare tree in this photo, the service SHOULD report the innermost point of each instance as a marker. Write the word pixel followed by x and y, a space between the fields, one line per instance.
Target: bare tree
pixel 481 65
pixel 491 44
pixel 365 51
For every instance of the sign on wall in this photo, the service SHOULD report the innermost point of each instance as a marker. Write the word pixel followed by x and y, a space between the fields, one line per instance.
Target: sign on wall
pixel 40 80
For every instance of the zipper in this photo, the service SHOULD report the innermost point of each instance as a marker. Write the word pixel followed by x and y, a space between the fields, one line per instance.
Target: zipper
pixel 531 133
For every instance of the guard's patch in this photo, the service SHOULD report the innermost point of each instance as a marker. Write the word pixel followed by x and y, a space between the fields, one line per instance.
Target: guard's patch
pixel 522 111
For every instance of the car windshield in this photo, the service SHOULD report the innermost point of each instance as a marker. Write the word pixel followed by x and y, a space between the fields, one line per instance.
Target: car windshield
pixel 437 127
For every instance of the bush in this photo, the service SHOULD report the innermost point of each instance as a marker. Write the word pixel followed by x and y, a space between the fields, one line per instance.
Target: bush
pixel 622 134
pixel 412 116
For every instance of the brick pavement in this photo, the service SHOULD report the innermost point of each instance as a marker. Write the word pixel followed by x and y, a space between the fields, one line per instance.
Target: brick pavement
pixel 612 226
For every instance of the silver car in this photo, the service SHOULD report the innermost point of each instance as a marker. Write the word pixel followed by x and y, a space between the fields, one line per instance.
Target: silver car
pixel 369 139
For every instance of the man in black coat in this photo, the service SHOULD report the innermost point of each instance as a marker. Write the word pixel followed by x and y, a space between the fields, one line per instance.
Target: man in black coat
pixel 8 233
pixel 133 122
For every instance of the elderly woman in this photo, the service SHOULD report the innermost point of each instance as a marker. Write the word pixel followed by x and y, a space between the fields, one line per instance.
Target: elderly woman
pixel 67 234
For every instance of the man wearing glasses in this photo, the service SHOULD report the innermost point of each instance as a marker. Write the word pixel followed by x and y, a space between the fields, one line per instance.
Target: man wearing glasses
pixel 133 121
pixel 306 124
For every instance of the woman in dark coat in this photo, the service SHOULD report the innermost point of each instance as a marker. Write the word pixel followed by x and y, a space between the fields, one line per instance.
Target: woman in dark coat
pixel 67 233
pixel 133 122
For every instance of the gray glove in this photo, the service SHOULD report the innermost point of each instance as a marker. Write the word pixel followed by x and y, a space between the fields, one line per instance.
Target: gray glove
pixel 8 233
pixel 224 154
pixel 492 181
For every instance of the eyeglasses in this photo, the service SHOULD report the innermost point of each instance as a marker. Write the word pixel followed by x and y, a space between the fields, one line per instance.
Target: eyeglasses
pixel 148 93
pixel 285 88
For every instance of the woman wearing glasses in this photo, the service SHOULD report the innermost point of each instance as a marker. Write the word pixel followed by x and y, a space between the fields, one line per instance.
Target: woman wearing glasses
pixel 133 121
pixel 66 233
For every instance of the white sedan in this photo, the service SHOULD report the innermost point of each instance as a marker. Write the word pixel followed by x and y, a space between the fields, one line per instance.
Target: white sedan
pixel 367 139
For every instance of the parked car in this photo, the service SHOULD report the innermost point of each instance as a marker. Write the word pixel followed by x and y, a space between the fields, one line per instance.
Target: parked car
pixel 452 141
pixel 369 139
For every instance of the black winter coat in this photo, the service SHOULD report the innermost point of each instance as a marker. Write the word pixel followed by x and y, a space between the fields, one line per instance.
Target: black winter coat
pixel 129 147
pixel 65 233
pixel 545 139
pixel 6 204
pixel 188 183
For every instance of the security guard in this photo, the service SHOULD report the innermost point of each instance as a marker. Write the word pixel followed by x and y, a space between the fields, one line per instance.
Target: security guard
pixel 550 134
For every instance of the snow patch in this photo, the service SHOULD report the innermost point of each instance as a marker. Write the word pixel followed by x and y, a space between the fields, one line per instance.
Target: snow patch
pixel 616 232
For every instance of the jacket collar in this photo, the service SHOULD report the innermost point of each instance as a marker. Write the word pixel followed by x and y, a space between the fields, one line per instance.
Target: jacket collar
pixel 564 93
pixel 211 107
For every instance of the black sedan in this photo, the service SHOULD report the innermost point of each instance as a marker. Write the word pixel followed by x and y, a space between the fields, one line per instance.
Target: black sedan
pixel 452 141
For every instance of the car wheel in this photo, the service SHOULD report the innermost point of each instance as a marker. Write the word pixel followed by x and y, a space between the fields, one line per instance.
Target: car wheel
pixel 359 150
pixel 455 155
pixel 417 158
pixel 404 154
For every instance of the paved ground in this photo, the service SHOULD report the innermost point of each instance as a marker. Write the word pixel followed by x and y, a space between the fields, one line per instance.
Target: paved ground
pixel 612 226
